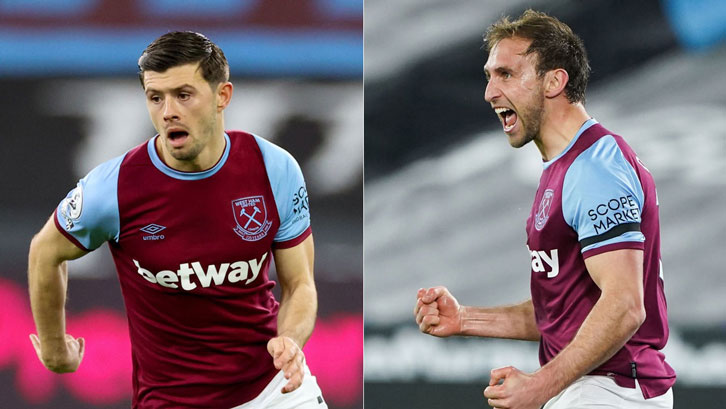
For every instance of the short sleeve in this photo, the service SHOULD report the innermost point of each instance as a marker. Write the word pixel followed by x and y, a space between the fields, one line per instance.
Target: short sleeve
pixel 89 216
pixel 603 199
pixel 290 192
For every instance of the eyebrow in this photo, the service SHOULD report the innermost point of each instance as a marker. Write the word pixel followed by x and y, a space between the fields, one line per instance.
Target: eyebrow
pixel 499 70
pixel 175 89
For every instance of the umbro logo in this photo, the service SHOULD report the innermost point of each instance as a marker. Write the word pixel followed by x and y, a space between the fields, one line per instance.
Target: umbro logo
pixel 153 229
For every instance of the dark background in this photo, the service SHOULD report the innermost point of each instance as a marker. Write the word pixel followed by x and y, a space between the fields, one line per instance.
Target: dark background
pixel 71 99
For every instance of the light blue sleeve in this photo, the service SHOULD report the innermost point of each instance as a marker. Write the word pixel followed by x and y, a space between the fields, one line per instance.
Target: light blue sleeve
pixel 288 187
pixel 602 198
pixel 89 214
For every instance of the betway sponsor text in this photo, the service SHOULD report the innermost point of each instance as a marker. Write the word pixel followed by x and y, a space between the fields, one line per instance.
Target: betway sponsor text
pixel 211 275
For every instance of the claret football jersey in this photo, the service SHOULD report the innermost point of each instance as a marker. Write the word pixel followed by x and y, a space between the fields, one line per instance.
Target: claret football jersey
pixel 595 197
pixel 192 251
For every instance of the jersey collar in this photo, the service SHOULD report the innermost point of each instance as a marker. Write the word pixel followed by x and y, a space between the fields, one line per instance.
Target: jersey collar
pixel 590 122
pixel 177 174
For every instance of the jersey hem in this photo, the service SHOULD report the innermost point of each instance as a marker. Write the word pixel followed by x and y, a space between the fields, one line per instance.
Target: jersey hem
pixel 293 242
pixel 66 234
pixel 648 390
pixel 636 245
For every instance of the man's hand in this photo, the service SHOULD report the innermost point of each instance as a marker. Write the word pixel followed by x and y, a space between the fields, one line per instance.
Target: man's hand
pixel 288 357
pixel 63 358
pixel 437 312
pixel 518 390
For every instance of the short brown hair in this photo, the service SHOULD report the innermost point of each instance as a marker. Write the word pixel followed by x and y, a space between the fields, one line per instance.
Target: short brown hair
pixel 184 47
pixel 555 44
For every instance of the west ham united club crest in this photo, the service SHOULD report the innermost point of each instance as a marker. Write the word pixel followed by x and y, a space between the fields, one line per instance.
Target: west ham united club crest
pixel 543 213
pixel 250 214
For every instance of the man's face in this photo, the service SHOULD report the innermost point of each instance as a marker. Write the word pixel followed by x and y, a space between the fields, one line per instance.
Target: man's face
pixel 514 90
pixel 183 109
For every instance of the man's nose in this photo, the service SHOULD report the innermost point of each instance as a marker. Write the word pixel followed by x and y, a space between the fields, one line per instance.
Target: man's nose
pixel 491 92
pixel 170 109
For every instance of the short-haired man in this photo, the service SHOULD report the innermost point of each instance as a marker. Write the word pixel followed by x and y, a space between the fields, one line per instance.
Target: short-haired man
pixel 597 307
pixel 191 217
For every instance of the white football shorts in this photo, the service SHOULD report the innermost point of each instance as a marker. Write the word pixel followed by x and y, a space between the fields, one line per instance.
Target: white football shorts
pixel 601 392
pixel 307 396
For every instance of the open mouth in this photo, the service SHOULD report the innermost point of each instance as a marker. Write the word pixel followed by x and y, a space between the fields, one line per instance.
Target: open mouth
pixel 508 118
pixel 177 134
pixel 177 138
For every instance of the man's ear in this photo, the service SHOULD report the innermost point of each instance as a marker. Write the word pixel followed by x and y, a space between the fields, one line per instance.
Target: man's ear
pixel 224 95
pixel 555 82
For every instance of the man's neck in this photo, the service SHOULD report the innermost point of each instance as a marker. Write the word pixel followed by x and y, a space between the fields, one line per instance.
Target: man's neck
pixel 558 127
pixel 207 158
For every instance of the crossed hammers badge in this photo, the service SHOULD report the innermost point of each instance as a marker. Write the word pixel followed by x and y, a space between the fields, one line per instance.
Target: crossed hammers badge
pixel 250 214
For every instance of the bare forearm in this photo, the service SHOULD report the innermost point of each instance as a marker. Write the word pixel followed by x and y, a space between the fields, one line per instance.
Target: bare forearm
pixel 48 279
pixel 298 309
pixel 513 322
pixel 47 282
pixel 605 330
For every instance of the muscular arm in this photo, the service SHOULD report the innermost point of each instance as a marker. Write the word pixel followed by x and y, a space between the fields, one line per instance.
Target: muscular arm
pixel 614 318
pixel 299 300
pixel 298 309
pixel 48 280
pixel 511 321
pixel 439 314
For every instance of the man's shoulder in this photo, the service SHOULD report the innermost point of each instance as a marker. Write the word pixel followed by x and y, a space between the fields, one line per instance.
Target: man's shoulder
pixel 598 146
pixel 273 155
pixel 598 138
pixel 248 137
pixel 107 169
pixel 605 163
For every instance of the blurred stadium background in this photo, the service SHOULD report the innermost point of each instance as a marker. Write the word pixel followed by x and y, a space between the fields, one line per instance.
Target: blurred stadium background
pixel 446 198
pixel 71 99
